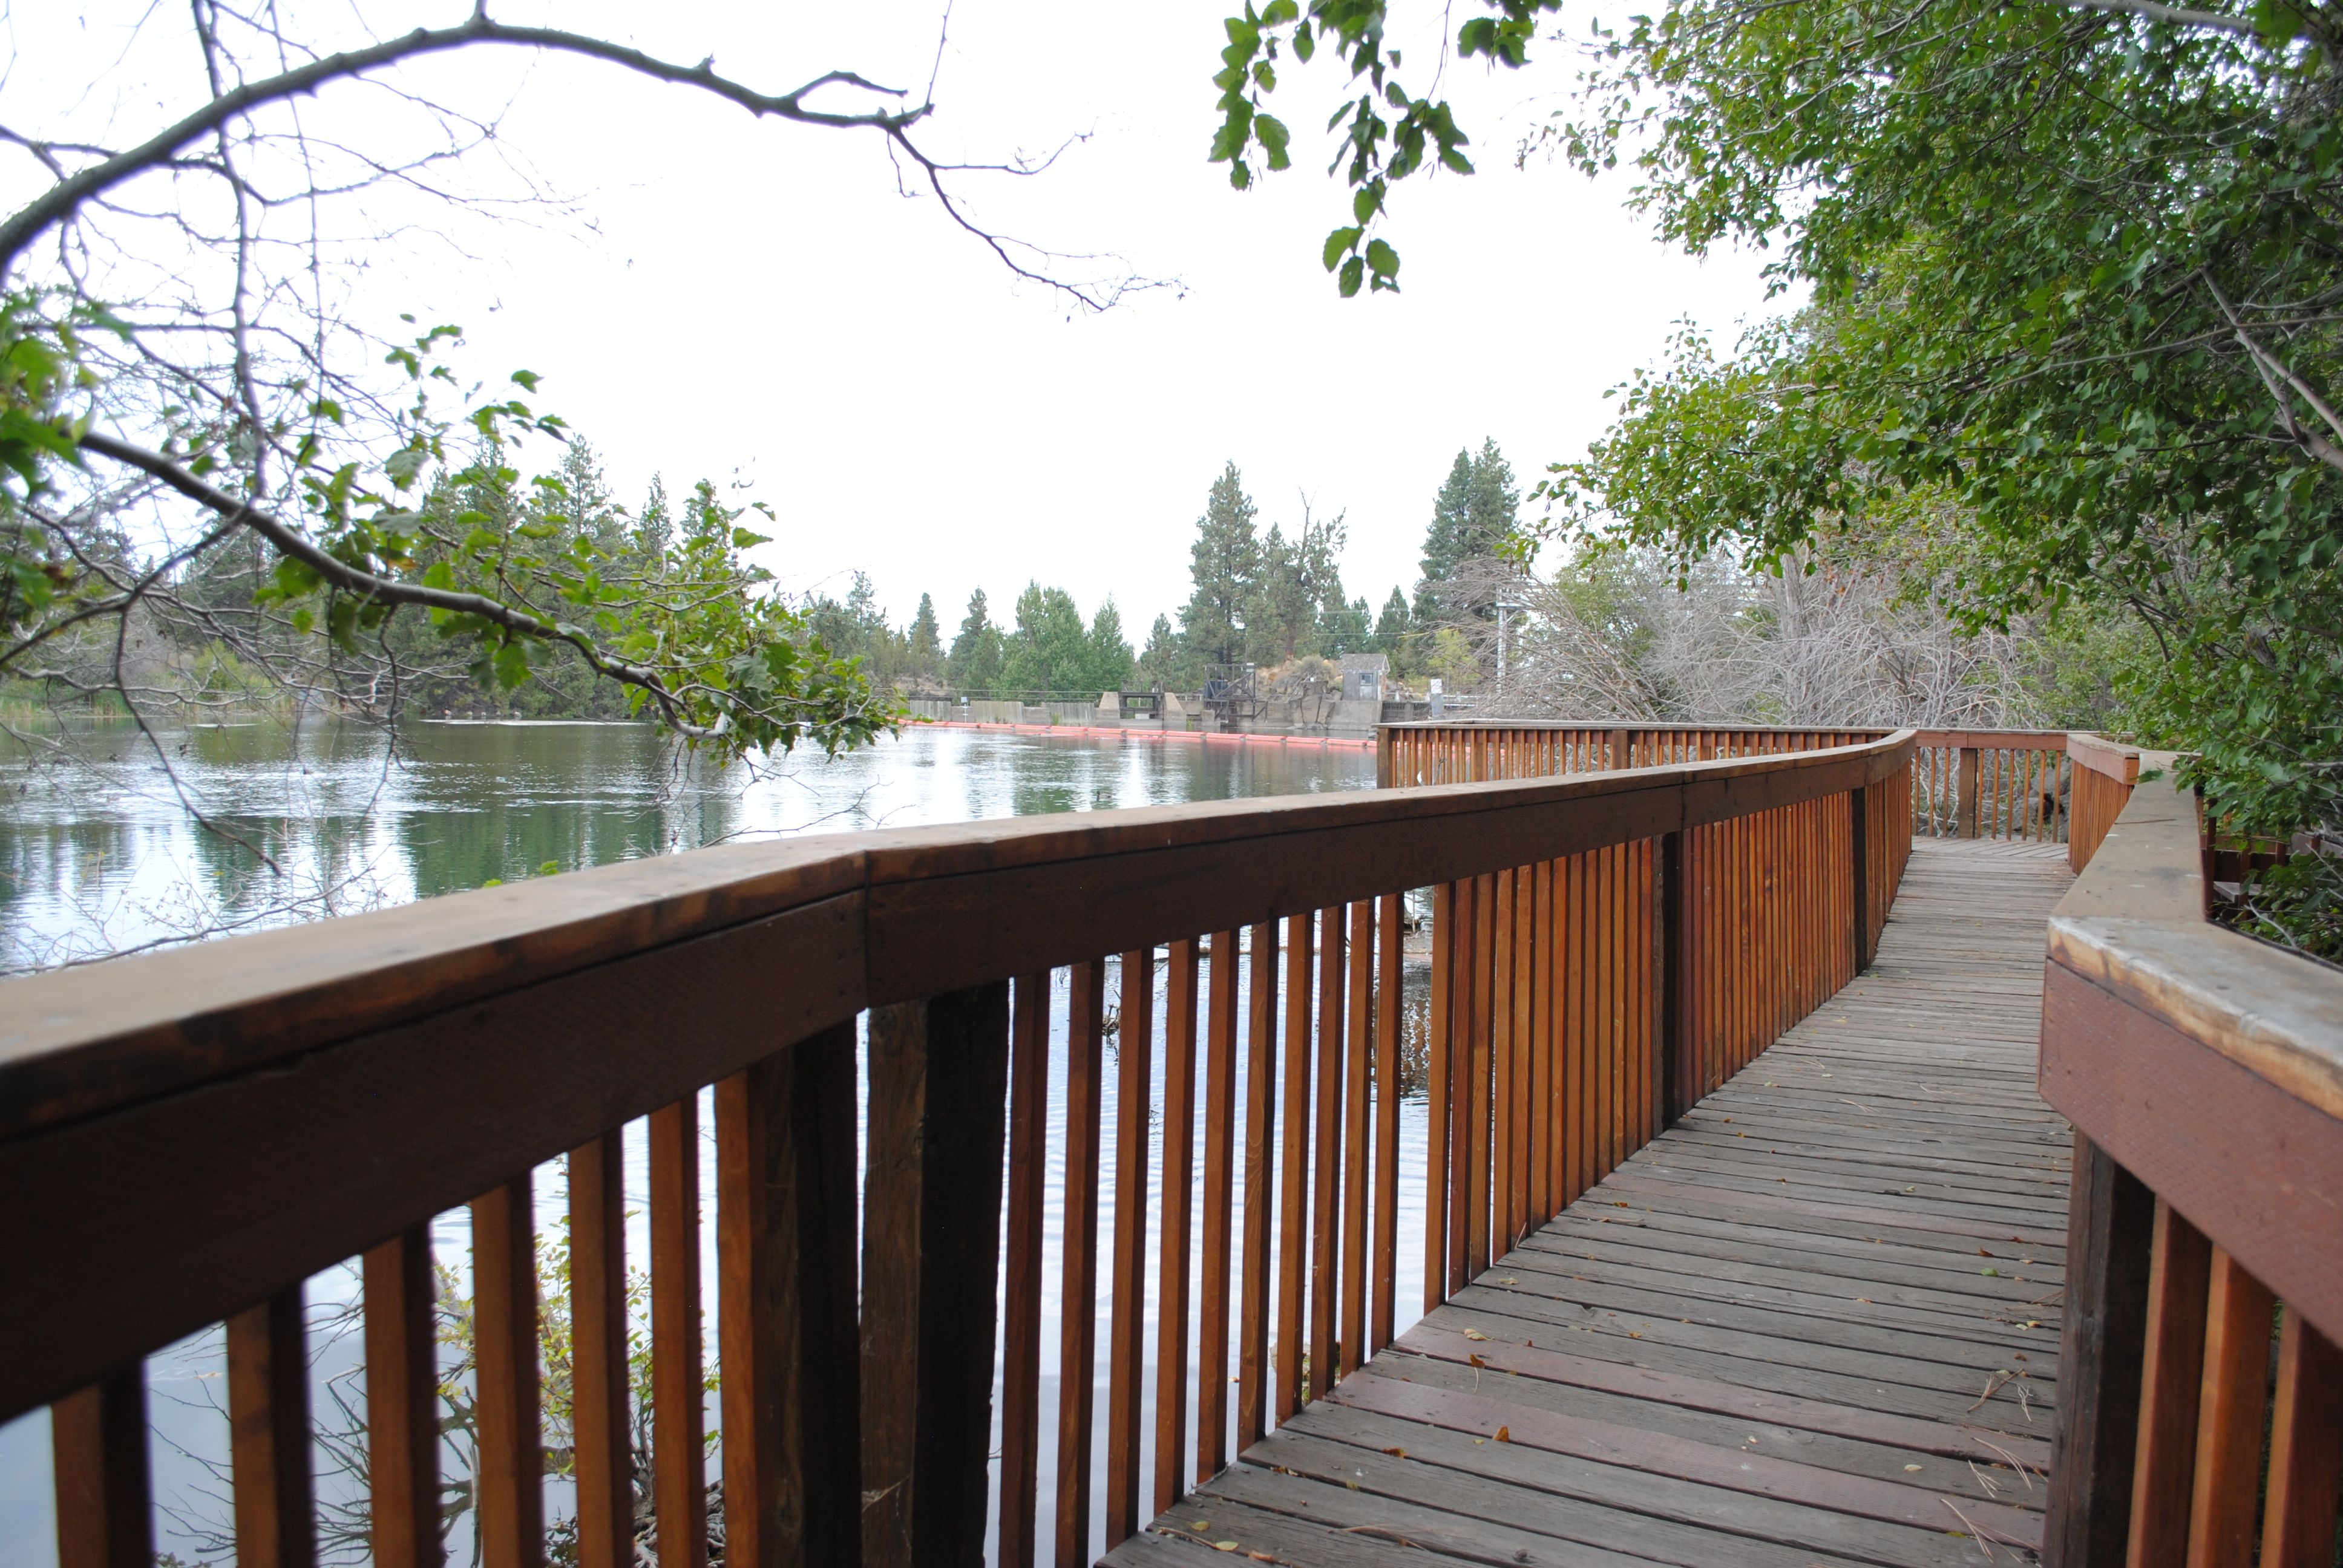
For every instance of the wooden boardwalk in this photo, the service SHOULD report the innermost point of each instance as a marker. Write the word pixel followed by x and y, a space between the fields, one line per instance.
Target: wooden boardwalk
pixel 1816 1323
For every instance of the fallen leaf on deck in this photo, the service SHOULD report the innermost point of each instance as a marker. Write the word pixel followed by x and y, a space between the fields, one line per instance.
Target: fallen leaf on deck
pixel 1504 1434
pixel 1474 1334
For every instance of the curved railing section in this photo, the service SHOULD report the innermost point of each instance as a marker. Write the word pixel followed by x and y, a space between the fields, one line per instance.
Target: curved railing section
pixel 908 1034
pixel 2203 1072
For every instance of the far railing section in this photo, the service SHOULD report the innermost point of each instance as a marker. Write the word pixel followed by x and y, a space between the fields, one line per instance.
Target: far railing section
pixel 2203 1072
pixel 193 1136
pixel 2009 784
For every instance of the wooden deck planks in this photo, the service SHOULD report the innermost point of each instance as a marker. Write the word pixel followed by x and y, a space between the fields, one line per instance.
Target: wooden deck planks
pixel 1816 1322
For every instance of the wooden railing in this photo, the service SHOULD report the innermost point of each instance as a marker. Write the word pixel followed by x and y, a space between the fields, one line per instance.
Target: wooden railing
pixel 186 1137
pixel 2203 1072
pixel 1966 783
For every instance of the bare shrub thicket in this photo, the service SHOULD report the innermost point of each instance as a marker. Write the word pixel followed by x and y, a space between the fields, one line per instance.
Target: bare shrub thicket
pixel 1615 634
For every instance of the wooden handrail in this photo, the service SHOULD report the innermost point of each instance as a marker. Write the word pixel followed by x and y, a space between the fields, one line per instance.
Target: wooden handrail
pixel 186 1137
pixel 2203 1074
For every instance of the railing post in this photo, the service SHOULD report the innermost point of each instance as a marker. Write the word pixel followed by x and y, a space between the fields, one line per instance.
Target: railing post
pixel 268 1422
pixel 1623 748
pixel 1674 925
pixel 2111 1219
pixel 930 1267
pixel 105 1517
pixel 785 1177
pixel 1969 785
pixel 1859 860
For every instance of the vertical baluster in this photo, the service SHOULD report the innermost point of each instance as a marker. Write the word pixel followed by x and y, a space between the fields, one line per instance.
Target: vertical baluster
pixel 1259 1186
pixel 1126 1342
pixel 1523 1047
pixel 678 1388
pixel 2306 1457
pixel 1467 981
pixel 1601 1045
pixel 1294 1184
pixel 1021 1338
pixel 1541 1076
pixel 402 1386
pixel 1357 1045
pixel 510 1499
pixel 97 1439
pixel 599 1402
pixel 1439 1024
pixel 1178 1201
pixel 2179 1268
pixel 1575 1093
pixel 1219 1179
pixel 1502 1048
pixel 1389 962
pixel 2229 1415
pixel 1326 1218
pixel 787 1339
pixel 1476 1195
pixel 1078 1289
pixel 268 1426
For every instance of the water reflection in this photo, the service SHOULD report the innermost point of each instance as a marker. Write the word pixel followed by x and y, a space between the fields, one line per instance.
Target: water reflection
pixel 101 851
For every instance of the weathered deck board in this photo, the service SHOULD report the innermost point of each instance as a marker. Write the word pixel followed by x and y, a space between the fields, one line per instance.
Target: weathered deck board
pixel 1764 1339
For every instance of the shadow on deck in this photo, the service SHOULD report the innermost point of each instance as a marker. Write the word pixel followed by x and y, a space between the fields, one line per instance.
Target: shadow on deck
pixel 1814 1323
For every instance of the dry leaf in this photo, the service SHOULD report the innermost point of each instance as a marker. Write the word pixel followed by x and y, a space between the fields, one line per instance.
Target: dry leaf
pixel 1504 1434
pixel 1224 1546
pixel 1396 1452
pixel 1475 1361
pixel 1474 1334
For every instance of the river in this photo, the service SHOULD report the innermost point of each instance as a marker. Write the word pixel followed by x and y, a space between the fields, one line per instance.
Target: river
pixel 100 852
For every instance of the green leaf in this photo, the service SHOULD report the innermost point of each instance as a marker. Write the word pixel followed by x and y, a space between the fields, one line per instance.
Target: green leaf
pixel 1353 272
pixel 1383 258
pixel 1338 244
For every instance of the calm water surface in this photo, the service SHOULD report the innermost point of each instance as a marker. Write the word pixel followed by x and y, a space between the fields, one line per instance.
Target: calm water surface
pixel 98 854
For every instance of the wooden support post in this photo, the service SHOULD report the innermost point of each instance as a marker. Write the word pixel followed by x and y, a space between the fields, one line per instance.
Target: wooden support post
pixel 2108 1224
pixel 792 1388
pixel 599 1400
pixel 510 1512
pixel 1971 782
pixel 98 1438
pixel 1859 860
pixel 930 1263
pixel 402 1379
pixel 678 1380
pixel 1622 749
pixel 1675 936
pixel 268 1435
pixel 2306 1459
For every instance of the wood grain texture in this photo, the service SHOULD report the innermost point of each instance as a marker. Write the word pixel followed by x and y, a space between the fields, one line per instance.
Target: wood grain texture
pixel 1020 1373
pixel 1253 1374
pixel 2165 1396
pixel 402 1378
pixel 2305 1455
pixel 2107 1321
pixel 600 1405
pixel 1390 964
pixel 938 1081
pixel 788 1335
pixel 509 1484
pixel 97 1444
pixel 1294 1175
pixel 1127 1305
pixel 1078 1267
pixel 2230 1409
pixel 679 1356
pixel 269 1433
pixel 1217 1294
pixel 1178 1187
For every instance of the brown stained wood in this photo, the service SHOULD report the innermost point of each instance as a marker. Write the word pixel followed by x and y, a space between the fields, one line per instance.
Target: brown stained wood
pixel 269 1433
pixel 1521 1050
pixel 788 1345
pixel 600 1404
pixel 402 1387
pixel 1021 1373
pixel 1260 1185
pixel 2167 1389
pixel 1179 1204
pixel 1504 1047
pixel 2230 1408
pixel 1602 933
pixel 1390 965
pixel 510 1496
pixel 1078 1269
pixel 939 1079
pixel 1543 1201
pixel 1217 1293
pixel 2105 1325
pixel 1327 1154
pixel 1127 1290
pixel 1294 1177
pixel 98 1438
pixel 2305 1455
pixel 1467 981
pixel 1673 932
pixel 678 1381
pixel 1479 1063
pixel 1440 1027
pixel 1351 1332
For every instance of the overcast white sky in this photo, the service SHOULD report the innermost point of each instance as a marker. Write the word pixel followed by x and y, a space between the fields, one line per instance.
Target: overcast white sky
pixel 758 299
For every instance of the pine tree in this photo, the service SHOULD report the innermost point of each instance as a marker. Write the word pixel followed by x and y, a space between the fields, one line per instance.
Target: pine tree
pixel 1395 633
pixel 923 641
pixel 1111 660
pixel 1049 650
pixel 1164 661
pixel 1478 509
pixel 1224 568
pixel 974 666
